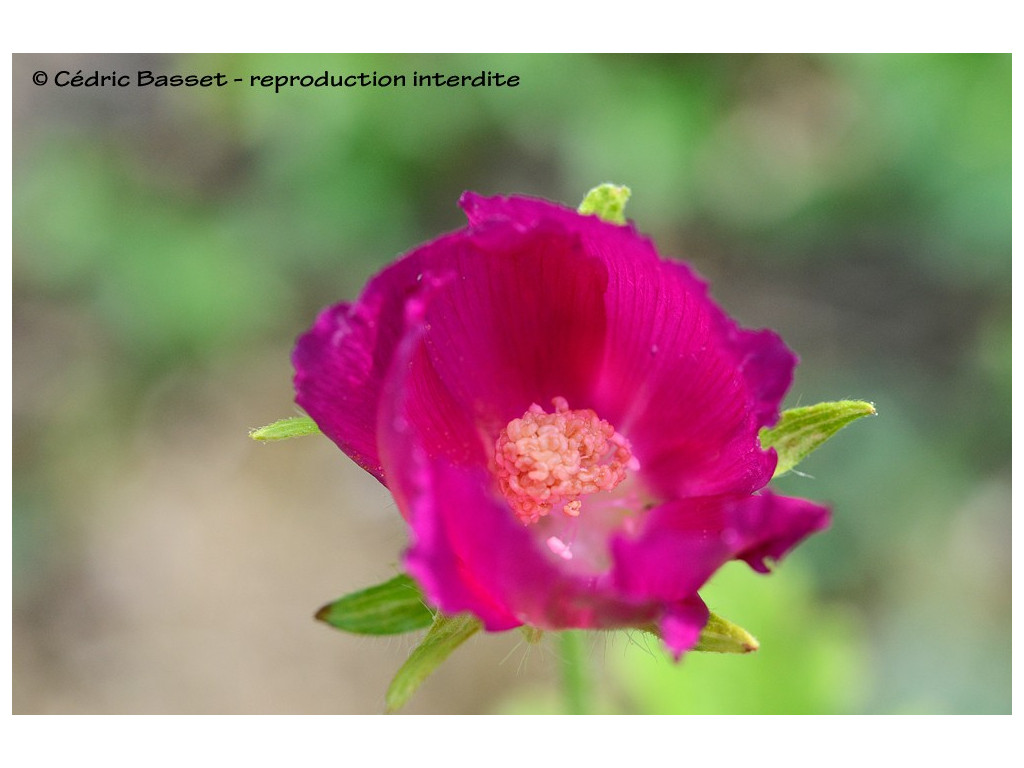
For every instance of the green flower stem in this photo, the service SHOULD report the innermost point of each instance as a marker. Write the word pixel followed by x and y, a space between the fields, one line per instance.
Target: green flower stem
pixel 574 672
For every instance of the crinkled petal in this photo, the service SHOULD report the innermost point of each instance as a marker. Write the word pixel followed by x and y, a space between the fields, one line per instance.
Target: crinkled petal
pixel 340 363
pixel 521 212
pixel 681 545
pixel 691 413
pixel 689 387
pixel 520 319
pixel 336 379
pixel 768 526
pixel 685 541
pixel 766 365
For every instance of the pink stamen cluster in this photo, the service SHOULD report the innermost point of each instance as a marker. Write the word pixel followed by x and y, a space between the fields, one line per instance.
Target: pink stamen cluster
pixel 547 459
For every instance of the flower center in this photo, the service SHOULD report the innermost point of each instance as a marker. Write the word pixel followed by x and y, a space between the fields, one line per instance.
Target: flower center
pixel 548 460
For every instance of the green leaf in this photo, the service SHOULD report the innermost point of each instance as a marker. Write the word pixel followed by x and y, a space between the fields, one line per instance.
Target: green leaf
pixel 296 426
pixel 722 636
pixel 606 201
pixel 390 608
pixel 446 634
pixel 802 430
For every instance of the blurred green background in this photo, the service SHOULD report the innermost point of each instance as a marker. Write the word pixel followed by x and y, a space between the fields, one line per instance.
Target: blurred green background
pixel 169 245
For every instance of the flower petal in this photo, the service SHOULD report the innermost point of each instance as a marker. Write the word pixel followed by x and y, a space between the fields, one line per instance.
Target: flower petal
pixel 694 404
pixel 681 545
pixel 340 363
pixel 681 625
pixel 334 380
pixel 521 320
pixel 769 526
pixel 686 385
pixel 683 542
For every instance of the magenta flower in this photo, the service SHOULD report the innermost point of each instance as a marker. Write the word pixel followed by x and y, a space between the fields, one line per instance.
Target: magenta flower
pixel 567 422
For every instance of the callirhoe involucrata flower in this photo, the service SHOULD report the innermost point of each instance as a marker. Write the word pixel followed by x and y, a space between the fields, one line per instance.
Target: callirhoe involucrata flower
pixel 568 423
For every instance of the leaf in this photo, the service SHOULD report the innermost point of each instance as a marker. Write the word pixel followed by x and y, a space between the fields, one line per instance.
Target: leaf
pixel 722 636
pixel 390 608
pixel 607 202
pixel 446 634
pixel 296 426
pixel 802 430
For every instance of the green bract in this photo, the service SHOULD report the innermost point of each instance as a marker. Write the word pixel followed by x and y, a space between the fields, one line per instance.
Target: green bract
pixel 296 426
pixel 391 608
pixel 801 430
pixel 446 634
pixel 606 201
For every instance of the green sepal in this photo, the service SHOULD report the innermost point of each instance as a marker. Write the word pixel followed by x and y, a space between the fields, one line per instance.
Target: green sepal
pixel 719 636
pixel 722 636
pixel 446 634
pixel 802 430
pixel 295 426
pixel 391 608
pixel 607 202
